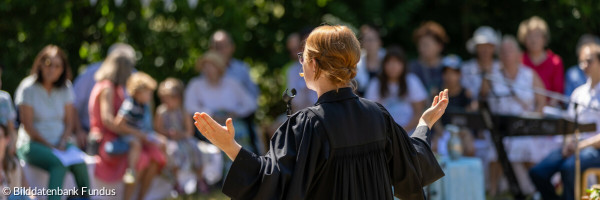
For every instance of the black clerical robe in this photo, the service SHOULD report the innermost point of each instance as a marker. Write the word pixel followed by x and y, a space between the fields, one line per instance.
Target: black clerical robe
pixel 344 147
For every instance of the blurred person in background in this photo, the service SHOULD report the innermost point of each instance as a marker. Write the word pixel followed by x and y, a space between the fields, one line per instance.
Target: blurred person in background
pixel 574 76
pixel 106 98
pixel 398 90
pixel 222 43
pixel 512 93
pixel 220 95
pixel 562 160
pixel 483 45
pixel 369 65
pixel 45 101
pixel 461 100
pixel 534 34
pixel 305 97
pixel 430 39
pixel 173 121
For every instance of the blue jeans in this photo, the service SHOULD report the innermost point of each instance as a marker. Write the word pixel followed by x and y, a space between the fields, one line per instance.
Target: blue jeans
pixel 554 162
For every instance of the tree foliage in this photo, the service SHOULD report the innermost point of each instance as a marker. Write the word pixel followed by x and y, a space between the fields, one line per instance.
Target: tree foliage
pixel 169 35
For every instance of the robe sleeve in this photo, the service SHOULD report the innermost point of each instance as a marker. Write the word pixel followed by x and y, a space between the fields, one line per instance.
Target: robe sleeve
pixel 411 162
pixel 296 154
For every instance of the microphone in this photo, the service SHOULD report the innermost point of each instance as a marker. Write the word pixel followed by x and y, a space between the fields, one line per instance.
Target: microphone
pixel 287 98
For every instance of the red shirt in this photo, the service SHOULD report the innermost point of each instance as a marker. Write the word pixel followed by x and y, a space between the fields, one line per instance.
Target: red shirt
pixel 551 71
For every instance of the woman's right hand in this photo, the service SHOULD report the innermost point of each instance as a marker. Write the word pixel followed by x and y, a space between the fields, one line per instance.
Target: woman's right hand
pixel 437 109
pixel 220 136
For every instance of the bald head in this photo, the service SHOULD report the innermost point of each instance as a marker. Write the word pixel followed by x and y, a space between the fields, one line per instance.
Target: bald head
pixel 222 43
pixel 510 52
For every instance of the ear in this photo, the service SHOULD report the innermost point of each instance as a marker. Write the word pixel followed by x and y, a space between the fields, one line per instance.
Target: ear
pixel 313 66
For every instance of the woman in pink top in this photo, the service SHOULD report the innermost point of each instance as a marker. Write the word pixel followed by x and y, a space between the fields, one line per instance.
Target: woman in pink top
pixel 534 35
pixel 105 100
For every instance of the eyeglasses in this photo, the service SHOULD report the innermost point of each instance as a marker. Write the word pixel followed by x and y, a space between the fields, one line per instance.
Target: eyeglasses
pixel 586 62
pixel 300 58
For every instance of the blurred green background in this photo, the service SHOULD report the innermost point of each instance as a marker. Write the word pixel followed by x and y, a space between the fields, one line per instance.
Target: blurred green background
pixel 170 35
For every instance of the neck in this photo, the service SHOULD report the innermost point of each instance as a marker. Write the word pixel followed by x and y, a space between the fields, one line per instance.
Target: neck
pixel 485 63
pixel 372 55
pixel 324 87
pixel 430 61
pixel 595 81
pixel 47 86
pixel 511 72
pixel 536 53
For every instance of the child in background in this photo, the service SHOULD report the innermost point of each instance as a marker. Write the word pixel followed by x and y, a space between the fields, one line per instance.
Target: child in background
pixel 173 121
pixel 130 119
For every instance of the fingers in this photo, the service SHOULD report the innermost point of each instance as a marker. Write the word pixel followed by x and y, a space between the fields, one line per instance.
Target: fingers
pixel 445 94
pixel 435 101
pixel 201 125
pixel 210 121
pixel 230 127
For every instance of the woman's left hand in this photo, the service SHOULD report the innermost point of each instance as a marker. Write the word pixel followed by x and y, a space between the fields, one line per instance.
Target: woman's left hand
pixel 437 109
pixel 220 136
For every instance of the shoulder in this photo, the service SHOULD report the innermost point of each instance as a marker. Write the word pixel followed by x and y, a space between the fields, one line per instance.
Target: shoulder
pixel 231 82
pixel 236 63
pixel 161 109
pixel 4 96
pixel 195 81
pixel 579 91
pixel 555 59
pixel 412 78
pixel 27 84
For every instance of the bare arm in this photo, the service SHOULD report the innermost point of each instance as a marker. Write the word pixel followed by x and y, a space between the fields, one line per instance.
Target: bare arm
pixel 592 141
pixel 125 128
pixel 68 121
pixel 540 101
pixel 26 117
pixel 107 115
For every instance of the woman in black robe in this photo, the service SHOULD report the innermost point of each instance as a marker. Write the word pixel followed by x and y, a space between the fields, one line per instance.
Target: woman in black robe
pixel 344 147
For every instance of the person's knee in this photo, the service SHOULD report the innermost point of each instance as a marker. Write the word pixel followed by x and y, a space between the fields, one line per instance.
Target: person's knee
pixel 57 170
pixel 539 172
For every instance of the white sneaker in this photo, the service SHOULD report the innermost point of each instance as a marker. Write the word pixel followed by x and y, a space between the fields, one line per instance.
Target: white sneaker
pixel 129 177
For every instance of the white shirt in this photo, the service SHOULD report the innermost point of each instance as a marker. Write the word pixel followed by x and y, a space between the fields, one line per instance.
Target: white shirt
pixel 588 98
pixel 48 109
pixel 228 95
pixel 504 92
pixel 399 107
pixel 471 76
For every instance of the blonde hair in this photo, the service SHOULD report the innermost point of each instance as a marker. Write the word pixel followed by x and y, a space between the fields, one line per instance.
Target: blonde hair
pixel 214 58
pixel 171 86
pixel 117 68
pixel 531 24
pixel 336 51
pixel 138 81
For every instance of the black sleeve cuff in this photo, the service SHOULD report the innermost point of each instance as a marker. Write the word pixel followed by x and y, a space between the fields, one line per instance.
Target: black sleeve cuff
pixel 242 174
pixel 423 133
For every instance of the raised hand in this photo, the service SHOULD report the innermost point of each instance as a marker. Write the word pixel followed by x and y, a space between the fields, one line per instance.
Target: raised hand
pixel 220 136
pixel 437 109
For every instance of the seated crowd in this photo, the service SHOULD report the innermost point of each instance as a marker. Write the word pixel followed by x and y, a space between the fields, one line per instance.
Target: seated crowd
pixel 109 113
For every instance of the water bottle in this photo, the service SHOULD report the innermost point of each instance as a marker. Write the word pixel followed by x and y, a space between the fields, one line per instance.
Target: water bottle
pixel 455 149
